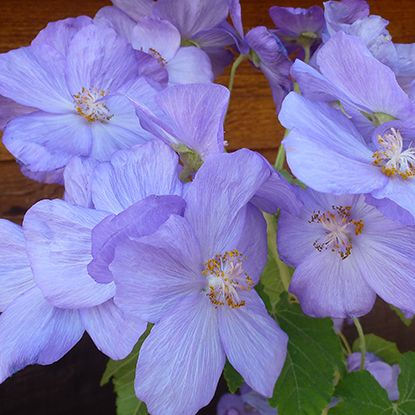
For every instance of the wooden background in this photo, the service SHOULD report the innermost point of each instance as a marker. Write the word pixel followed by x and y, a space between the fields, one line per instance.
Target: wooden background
pixel 71 386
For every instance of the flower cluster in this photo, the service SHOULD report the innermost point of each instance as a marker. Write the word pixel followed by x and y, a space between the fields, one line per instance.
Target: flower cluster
pixel 162 236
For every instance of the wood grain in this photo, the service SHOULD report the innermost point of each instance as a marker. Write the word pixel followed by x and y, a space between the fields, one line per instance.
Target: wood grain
pixel 71 386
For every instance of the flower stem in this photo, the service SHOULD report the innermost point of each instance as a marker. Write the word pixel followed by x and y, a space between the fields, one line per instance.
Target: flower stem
pixel 345 343
pixel 283 269
pixel 235 66
pixel 362 342
pixel 280 160
pixel 307 53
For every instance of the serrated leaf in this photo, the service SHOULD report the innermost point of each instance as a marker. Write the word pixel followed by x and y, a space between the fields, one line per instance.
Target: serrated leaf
pixel 384 349
pixel 122 373
pixel 361 394
pixel 233 379
pixel 405 320
pixel 314 358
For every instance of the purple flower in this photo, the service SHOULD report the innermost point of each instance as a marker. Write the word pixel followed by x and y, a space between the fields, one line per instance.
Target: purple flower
pixel 265 51
pixel 345 252
pixel 194 279
pixel 340 14
pixel 367 89
pixel 190 119
pixel 326 152
pixel 35 331
pixel 299 29
pixel 57 236
pixel 76 75
pixel 248 402
pixel 352 17
pixel 296 22
pixel 196 22
pixel 160 39
pixel 386 375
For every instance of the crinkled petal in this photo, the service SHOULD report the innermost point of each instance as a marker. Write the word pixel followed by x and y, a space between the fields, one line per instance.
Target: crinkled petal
pixel 132 175
pixel 99 58
pixel 254 344
pixel 157 37
pixel 340 13
pixel 192 16
pixel 10 109
pixel 43 142
pixel 190 65
pixel 28 77
pixel 274 61
pixel 58 239
pixel 181 361
pixel 200 127
pixel 58 35
pixel 34 332
pixel 78 175
pixel 15 273
pixel 117 19
pixel 354 68
pixel 135 8
pixel 328 286
pixel 111 332
pixel 142 218
pixel 155 272
pixel 216 198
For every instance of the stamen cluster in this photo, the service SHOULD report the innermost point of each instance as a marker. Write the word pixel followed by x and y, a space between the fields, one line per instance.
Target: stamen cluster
pixel 226 276
pixel 391 157
pixel 89 105
pixel 339 228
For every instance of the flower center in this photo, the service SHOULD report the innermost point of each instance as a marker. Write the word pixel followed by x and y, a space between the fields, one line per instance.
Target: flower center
pixel 391 157
pixel 339 229
pixel 225 278
pixel 156 54
pixel 89 104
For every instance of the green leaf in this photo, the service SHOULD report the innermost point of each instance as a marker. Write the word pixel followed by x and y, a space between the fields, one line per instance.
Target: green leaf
pixel 232 377
pixel 361 394
pixel 122 373
pixel 406 381
pixel 405 320
pixel 276 273
pixel 384 349
pixel 314 360
pixel 271 283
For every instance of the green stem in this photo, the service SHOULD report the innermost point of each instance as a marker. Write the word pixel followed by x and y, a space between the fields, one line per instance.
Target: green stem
pixel 280 160
pixel 235 66
pixel 283 269
pixel 362 342
pixel 345 343
pixel 307 53
pixel 325 411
